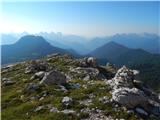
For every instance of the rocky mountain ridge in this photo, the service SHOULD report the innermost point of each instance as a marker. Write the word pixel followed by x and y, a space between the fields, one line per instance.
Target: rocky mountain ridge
pixel 61 87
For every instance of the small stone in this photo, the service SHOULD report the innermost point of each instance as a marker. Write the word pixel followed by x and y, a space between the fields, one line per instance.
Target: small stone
pixel 68 78
pixel 27 113
pixel 53 109
pixel 66 111
pixel 31 87
pixel 41 98
pixel 22 97
pixel 130 111
pixel 39 108
pixel 86 78
pixel 62 88
pixel 86 102
pixel 141 111
pixel 40 74
pixel 33 77
pixel 116 105
pixel 135 72
pixel 67 101
pixel 91 61
pixel 7 81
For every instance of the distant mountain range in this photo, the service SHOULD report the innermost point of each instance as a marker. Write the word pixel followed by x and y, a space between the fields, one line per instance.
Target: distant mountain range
pixel 145 41
pixel 28 47
pixel 121 55
pixel 105 49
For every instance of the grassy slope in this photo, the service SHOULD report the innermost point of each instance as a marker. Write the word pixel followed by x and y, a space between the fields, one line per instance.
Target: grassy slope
pixel 14 107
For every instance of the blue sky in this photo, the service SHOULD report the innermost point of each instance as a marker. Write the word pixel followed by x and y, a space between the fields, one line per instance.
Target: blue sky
pixel 81 18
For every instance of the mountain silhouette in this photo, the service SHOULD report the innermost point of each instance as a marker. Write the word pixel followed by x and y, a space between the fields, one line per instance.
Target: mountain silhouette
pixel 28 47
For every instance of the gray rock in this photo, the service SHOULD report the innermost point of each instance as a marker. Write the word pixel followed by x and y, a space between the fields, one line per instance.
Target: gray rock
pixel 67 111
pixel 7 81
pixel 68 78
pixel 53 77
pixel 41 98
pixel 86 102
pixel 92 72
pixel 54 110
pixel 67 101
pixel 31 87
pixel 137 83
pixel 130 111
pixel 141 111
pixel 88 62
pixel 129 98
pixel 124 78
pixel 33 77
pixel 39 108
pixel 62 88
pixel 35 66
pixel 86 78
pixel 91 61
pixel 130 93
pixel 85 110
pixel 40 74
pixel 98 116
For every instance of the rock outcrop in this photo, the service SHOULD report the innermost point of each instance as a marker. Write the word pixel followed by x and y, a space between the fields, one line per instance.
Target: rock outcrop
pixel 53 77
pixel 7 81
pixel 126 93
pixel 88 62
pixel 36 66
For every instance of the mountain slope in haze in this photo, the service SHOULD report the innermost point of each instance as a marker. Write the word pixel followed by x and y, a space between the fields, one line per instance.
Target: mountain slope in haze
pixel 11 38
pixel 75 42
pixel 119 54
pixel 110 51
pixel 145 41
pixel 28 47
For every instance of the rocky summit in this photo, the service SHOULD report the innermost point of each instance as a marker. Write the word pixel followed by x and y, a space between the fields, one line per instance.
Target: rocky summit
pixel 60 87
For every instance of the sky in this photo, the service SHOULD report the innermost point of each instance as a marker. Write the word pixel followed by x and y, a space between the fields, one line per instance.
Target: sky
pixel 87 19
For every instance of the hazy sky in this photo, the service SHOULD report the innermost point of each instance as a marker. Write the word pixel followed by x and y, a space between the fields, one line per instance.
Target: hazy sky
pixel 81 18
